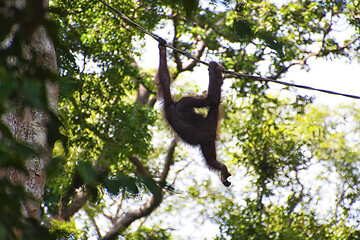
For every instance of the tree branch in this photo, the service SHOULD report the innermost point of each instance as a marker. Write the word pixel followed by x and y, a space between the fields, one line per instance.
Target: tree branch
pixel 191 63
pixel 150 205
pixel 320 53
pixel 77 190
pixel 139 166
pixel 78 202
pixel 92 219
pixel 175 42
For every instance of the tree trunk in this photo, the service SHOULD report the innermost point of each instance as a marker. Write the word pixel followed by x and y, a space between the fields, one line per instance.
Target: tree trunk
pixel 27 125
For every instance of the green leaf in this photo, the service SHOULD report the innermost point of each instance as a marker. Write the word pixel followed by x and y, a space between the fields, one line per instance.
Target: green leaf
pixel 34 93
pixel 113 185
pixel 5 131
pixel 121 181
pixel 2 232
pixel 243 30
pixel 271 41
pixel 153 187
pixel 55 165
pixel 87 172
pixel 130 184
pixel 190 7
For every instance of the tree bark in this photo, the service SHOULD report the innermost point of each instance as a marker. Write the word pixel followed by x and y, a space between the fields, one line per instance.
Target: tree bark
pixel 27 125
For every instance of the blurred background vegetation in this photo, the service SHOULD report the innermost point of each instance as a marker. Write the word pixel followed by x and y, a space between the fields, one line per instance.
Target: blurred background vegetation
pixel 112 168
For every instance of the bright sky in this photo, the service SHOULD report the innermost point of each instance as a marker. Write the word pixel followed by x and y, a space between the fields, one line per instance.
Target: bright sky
pixel 336 75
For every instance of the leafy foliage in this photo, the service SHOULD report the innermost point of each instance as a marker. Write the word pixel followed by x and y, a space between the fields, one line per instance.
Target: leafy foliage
pixel 146 233
pixel 239 222
pixel 301 149
pixel 112 164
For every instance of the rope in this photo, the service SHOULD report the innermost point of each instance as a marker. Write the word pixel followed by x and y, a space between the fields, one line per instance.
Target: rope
pixel 156 37
pixel 238 75
pixel 232 73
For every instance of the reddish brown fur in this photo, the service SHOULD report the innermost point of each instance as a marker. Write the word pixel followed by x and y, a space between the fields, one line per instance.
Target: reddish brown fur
pixel 194 128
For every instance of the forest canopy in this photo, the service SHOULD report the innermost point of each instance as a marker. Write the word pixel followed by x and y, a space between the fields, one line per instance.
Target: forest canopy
pixel 112 166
